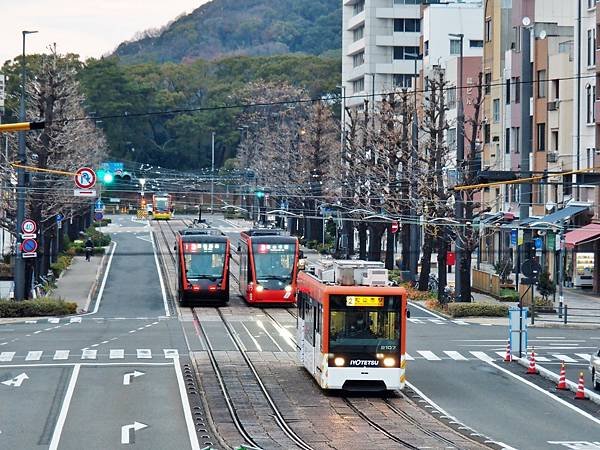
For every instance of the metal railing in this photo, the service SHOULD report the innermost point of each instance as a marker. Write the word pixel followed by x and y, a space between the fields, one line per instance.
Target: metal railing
pixel 566 314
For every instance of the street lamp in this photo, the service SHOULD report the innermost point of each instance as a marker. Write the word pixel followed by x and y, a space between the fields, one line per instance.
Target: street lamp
pixel 212 174
pixel 19 262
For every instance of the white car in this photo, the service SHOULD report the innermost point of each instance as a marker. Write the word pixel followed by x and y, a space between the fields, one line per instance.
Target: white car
pixel 595 369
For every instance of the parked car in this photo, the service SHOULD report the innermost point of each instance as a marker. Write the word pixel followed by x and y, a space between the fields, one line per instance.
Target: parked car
pixel 595 369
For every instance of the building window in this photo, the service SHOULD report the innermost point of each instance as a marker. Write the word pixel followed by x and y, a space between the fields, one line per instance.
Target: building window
pixel 487 83
pixel 358 85
pixel 451 98
pixel 452 139
pixel 516 135
pixel 407 25
pixel 554 142
pixel 591 47
pixel 541 137
pixel 475 43
pixel 403 80
pixel 517 84
pixel 496 110
pixel 407 2
pixel 507 141
pixel 358 33
pixel 359 7
pixel 541 84
pixel 556 89
pixel 488 30
pixel 426 47
pixel 406 52
pixel 589 157
pixel 358 59
pixel 486 133
pixel 507 92
pixel 590 95
pixel 455 46
pixel 591 4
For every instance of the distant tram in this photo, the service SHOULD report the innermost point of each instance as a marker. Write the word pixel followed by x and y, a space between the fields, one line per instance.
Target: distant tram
pixel 268 266
pixel 162 207
pixel 202 265
pixel 351 326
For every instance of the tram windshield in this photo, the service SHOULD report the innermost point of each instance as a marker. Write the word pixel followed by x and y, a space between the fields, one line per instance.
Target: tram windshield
pixel 364 324
pixel 274 262
pixel 162 204
pixel 204 260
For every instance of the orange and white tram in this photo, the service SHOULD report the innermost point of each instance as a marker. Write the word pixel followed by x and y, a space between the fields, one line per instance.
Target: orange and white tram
pixel 351 326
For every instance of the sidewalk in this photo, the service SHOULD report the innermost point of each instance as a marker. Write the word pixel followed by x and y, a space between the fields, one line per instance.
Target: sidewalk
pixel 78 282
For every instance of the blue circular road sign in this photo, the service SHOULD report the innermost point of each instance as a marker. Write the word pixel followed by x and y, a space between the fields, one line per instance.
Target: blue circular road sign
pixel 29 245
pixel 98 215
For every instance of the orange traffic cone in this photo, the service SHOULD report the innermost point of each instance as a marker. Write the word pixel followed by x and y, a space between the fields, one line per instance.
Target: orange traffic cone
pixel 508 357
pixel 580 395
pixel 562 379
pixel 532 370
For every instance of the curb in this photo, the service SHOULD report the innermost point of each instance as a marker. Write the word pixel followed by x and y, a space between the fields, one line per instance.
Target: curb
pixel 549 375
pixel 574 326
pixel 95 285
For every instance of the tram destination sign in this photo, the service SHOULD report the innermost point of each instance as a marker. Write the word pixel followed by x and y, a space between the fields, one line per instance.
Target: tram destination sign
pixel 352 300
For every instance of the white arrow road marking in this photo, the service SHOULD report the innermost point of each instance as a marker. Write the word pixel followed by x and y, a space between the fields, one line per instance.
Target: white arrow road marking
pixel 128 376
pixel 125 431
pixel 16 381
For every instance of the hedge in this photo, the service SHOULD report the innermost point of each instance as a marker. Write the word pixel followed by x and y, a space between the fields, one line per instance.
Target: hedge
pixel 35 308
pixel 61 264
pixel 98 238
pixel 477 310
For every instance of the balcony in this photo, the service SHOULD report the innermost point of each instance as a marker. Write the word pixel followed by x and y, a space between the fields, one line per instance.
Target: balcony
pixel 399 12
pixel 398 39
pixel 356 21
pixel 355 47
pixel 397 66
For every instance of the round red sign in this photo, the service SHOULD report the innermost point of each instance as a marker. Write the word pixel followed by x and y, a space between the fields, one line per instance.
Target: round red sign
pixel 85 178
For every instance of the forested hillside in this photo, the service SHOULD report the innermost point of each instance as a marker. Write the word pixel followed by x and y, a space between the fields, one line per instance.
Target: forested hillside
pixel 242 27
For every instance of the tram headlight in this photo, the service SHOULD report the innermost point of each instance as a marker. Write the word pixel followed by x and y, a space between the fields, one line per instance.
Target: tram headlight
pixel 339 361
pixel 288 288
pixel 259 288
pixel 389 362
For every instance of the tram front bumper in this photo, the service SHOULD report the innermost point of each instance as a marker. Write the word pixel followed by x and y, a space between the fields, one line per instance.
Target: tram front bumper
pixel 364 378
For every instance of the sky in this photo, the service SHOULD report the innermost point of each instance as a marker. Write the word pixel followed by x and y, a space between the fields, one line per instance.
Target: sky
pixel 90 28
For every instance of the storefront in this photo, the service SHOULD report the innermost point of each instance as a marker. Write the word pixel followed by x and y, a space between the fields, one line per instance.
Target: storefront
pixel 582 256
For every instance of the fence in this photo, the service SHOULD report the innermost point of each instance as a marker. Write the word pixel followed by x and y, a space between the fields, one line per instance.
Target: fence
pixel 566 315
pixel 486 283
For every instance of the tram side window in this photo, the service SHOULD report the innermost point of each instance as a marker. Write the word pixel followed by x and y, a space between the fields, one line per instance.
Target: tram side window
pixel 309 323
pixel 302 304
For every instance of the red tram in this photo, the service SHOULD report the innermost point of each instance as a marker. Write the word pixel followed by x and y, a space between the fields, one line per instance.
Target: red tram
pixel 268 266
pixel 351 327
pixel 202 265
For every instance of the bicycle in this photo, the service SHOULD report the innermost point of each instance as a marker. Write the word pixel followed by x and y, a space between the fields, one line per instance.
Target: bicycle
pixel 432 283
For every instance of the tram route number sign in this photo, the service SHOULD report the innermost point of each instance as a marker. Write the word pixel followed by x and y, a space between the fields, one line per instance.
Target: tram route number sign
pixel 352 300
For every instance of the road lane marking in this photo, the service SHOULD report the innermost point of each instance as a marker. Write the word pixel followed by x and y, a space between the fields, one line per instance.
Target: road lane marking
pixel 64 409
pixel 89 354
pixel 75 320
pixel 103 285
pixel 482 356
pixel 585 356
pixel 258 347
pixel 546 393
pixel 31 321
pixel 564 358
pixel 455 355
pixel 34 355
pixel 428 355
pixel 144 353
pixel 414 320
pixel 128 430
pixel 187 412
pixel 437 321
pixel 426 310
pixel 128 376
pixel 542 358
pixel 171 353
pixel 160 277
pixel 16 381
pixel 61 354
pixel 53 320
pixel 262 326
pixel 460 322
pixel 117 353
pixel 7 356
pixel 408 357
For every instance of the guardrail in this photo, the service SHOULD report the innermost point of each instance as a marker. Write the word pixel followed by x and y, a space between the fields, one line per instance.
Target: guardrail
pixel 566 314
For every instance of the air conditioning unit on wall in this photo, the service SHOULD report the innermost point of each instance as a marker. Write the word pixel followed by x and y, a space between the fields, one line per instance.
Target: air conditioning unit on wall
pixel 552 157
pixel 553 106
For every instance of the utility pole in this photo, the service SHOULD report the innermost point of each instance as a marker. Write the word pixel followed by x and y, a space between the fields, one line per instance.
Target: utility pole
pixel 413 260
pixel 19 272
pixel 578 82
pixel 212 174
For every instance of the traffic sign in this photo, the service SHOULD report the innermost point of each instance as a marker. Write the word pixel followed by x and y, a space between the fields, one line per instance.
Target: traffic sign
pixel 59 217
pixel 28 226
pixel 84 192
pixel 98 215
pixel 29 255
pixel 29 246
pixel 395 226
pixel 98 205
pixel 85 178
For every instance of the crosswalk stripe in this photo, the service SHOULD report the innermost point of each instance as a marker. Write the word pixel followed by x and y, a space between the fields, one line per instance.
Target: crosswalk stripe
pixel 89 354
pixel 501 354
pixel 455 355
pixel 564 358
pixel 437 321
pixel 75 320
pixel 414 320
pixel 53 320
pixel 61 354
pixel 542 358
pixel 144 353
pixel 117 353
pixel 461 322
pixel 428 355
pixel 585 356
pixel 31 321
pixel 6 356
pixel 408 357
pixel 34 356
pixel 482 356
pixel 171 353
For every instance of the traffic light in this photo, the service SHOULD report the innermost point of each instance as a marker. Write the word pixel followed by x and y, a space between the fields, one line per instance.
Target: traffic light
pixel 260 194
pixel 105 176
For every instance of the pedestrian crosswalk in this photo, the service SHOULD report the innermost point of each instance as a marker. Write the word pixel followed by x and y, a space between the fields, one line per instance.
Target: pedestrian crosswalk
pixel 37 356
pixel 436 321
pixel 580 358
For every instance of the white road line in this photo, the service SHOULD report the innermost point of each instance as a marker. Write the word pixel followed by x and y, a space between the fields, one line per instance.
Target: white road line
pixel 103 285
pixel 89 354
pixel 482 356
pixel 7 356
pixel 37 332
pixel 585 356
pixel 61 354
pixel 262 326
pixel 542 359
pixel 160 277
pixel 34 356
pixel 75 320
pixel 116 353
pixel 187 412
pixel 53 320
pixel 414 320
pixel 547 393
pixel 455 355
pixel 564 358
pixel 501 354
pixel 425 310
pixel 31 321
pixel 408 357
pixel 171 353
pixel 258 347
pixel 64 409
pixel 437 321
pixel 428 355
pixel 144 353
pixel 460 322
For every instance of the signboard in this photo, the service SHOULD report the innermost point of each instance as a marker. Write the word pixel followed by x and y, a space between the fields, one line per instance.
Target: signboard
pixel 551 241
pixel 520 238
pixel 538 243
pixel 513 238
pixel 98 215
pixel 395 226
pixel 517 328
pixel 114 200
pixel 352 300
pixel 84 192
pixel 98 206
pixel 60 217
pixel 29 246
pixel 85 178
pixel 2 90
pixel 29 255
pixel 28 226
pixel 113 167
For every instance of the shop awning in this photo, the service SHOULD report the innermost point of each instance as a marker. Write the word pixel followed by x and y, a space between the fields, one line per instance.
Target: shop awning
pixel 582 235
pixel 565 213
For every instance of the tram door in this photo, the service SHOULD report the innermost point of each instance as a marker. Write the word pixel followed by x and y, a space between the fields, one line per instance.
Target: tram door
pixel 310 322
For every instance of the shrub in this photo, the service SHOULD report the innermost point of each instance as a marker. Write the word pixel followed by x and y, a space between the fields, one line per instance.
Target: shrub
pixel 545 286
pixel 34 308
pixel 477 310
pixel 63 261
pixel 98 238
pixel 543 304
pixel 101 223
pixel 324 249
pixel 312 244
pixel 503 269
pixel 418 296
pixel 508 295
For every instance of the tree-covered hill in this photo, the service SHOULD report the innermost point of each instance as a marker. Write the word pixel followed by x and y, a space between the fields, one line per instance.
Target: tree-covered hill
pixel 242 27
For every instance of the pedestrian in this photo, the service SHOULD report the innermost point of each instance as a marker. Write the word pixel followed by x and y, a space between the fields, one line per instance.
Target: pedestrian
pixel 89 248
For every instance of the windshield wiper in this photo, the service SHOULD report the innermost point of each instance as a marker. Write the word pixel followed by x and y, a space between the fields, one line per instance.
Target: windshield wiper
pixel 203 276
pixel 275 277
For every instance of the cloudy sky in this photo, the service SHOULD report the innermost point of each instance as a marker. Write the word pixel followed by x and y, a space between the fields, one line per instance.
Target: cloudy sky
pixel 87 27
